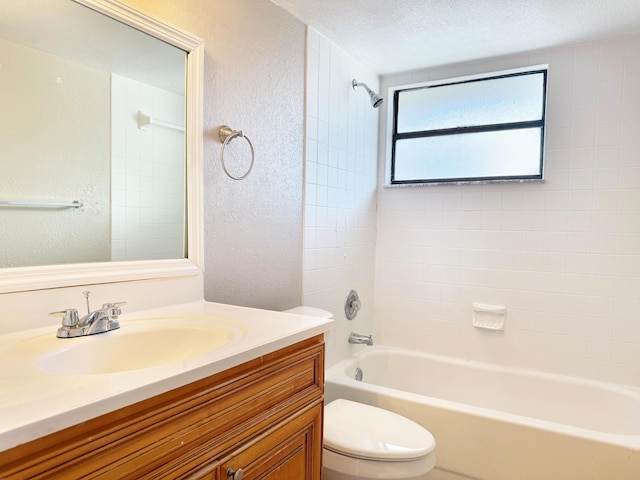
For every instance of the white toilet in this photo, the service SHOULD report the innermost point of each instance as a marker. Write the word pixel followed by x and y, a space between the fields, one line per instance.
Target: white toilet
pixel 362 442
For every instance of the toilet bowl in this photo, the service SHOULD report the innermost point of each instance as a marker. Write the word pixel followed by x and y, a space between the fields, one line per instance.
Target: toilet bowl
pixel 362 442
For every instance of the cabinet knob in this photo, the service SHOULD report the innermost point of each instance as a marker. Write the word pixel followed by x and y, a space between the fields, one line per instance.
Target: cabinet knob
pixel 235 474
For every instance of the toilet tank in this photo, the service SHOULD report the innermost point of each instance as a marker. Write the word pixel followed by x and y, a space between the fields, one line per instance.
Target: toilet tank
pixel 310 312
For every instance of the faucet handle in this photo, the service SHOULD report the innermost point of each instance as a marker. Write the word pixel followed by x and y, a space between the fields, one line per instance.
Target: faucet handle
pixel 114 307
pixel 69 317
pixel 352 305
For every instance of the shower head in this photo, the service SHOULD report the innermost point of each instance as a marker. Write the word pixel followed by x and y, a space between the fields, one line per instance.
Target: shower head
pixel 376 99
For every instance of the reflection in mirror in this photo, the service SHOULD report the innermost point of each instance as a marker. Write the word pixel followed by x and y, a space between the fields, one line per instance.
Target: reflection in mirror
pixel 91 111
pixel 76 143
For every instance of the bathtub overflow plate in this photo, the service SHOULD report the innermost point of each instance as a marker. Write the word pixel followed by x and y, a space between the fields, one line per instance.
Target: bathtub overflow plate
pixel 358 374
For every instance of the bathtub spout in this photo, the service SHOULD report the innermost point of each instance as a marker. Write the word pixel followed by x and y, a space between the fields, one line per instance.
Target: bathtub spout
pixel 359 339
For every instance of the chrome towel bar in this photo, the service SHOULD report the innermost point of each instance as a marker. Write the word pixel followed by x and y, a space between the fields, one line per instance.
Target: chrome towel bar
pixel 11 203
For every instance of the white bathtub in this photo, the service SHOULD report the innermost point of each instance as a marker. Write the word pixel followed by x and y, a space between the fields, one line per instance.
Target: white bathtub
pixel 494 423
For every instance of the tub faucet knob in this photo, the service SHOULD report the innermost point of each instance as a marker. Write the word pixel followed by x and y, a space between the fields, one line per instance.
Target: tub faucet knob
pixel 352 305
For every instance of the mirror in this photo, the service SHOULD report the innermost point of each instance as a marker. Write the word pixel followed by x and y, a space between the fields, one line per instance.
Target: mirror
pixel 100 119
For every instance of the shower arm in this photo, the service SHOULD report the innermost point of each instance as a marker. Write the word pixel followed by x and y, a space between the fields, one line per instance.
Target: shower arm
pixel 376 99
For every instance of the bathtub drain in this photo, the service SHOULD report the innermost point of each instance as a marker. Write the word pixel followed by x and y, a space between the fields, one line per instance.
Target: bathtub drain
pixel 358 374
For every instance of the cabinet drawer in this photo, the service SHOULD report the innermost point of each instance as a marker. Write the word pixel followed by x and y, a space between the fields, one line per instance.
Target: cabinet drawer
pixel 263 399
pixel 286 453
pixel 289 451
pixel 182 429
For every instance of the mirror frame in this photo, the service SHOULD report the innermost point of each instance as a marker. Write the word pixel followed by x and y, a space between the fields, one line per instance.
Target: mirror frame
pixel 19 279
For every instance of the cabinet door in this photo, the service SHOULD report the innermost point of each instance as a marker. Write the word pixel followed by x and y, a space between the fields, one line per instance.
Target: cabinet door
pixel 291 451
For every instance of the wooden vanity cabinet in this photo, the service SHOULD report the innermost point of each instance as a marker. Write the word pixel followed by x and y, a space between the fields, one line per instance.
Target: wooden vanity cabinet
pixel 285 452
pixel 263 417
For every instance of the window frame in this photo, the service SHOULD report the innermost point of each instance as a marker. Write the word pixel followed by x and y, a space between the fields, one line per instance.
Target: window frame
pixel 395 136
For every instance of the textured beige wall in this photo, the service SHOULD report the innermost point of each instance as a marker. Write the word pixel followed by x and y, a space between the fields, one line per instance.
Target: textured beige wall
pixel 254 81
pixel 42 98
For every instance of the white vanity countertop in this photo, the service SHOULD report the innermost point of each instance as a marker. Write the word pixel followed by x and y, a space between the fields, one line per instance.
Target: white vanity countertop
pixel 34 403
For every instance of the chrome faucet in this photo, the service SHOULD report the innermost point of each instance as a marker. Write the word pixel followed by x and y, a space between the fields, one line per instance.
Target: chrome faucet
pixel 359 339
pixel 99 321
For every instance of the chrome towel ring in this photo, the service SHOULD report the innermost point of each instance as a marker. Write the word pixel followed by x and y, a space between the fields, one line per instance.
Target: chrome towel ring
pixel 227 134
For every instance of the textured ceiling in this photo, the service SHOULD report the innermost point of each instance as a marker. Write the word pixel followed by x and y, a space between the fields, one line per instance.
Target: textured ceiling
pixel 396 35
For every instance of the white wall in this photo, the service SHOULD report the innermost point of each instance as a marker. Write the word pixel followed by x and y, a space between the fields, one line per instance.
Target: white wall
pixel 147 173
pixel 54 133
pixel 340 185
pixel 253 81
pixel 563 256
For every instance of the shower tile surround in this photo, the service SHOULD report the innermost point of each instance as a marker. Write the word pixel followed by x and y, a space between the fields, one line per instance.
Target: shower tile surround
pixel 340 189
pixel 563 256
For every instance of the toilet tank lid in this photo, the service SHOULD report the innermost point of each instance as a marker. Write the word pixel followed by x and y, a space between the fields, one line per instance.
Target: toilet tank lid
pixel 310 312
pixel 363 431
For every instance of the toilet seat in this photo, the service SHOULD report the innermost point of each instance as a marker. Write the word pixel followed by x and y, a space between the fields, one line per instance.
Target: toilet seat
pixel 362 431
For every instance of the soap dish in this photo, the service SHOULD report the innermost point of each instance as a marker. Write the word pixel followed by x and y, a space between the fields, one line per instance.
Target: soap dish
pixel 489 317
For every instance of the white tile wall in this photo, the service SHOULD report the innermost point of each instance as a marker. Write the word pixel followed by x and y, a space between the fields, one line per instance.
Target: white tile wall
pixel 340 189
pixel 148 173
pixel 563 256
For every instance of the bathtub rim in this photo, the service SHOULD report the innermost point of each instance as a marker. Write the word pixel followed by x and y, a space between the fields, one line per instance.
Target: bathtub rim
pixel 337 374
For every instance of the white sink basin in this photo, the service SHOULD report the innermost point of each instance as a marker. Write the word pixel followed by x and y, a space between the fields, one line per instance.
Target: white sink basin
pixel 137 344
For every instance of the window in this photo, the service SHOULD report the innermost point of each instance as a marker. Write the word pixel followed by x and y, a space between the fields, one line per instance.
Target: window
pixel 473 129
